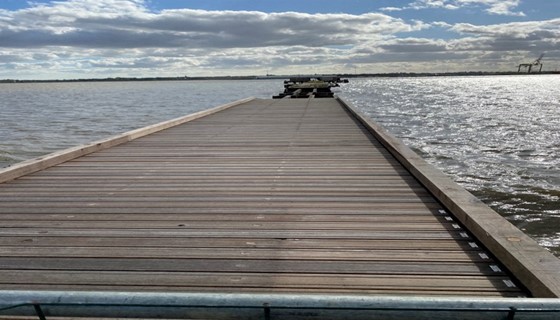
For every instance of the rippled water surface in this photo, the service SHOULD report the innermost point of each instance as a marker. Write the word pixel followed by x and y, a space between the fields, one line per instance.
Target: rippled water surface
pixel 44 117
pixel 497 136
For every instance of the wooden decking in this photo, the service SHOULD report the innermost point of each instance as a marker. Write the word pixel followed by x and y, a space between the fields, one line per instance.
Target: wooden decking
pixel 267 196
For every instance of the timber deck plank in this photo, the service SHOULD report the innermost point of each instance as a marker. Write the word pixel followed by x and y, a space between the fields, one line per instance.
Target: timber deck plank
pixel 266 196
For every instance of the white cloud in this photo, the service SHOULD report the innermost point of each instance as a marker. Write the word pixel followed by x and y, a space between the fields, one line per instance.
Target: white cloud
pixel 389 9
pixel 445 4
pixel 127 24
pixel 497 7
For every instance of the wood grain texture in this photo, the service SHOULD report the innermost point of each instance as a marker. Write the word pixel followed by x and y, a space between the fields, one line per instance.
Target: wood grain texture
pixel 266 196
pixel 53 159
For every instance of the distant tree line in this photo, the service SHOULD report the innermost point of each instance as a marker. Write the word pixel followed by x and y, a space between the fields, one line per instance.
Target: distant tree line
pixel 345 75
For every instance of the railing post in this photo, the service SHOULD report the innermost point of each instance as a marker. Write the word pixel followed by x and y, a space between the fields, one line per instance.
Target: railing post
pixel 266 311
pixel 39 312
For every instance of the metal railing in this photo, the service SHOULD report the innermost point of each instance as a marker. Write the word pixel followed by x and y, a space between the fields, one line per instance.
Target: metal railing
pixel 45 304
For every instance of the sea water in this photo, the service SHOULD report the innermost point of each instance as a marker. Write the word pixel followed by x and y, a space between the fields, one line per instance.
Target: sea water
pixel 497 136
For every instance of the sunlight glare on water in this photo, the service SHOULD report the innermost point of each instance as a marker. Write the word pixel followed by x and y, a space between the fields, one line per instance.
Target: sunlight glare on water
pixel 498 136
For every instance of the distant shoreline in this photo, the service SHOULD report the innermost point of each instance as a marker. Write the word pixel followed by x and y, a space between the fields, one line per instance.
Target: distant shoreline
pixel 363 75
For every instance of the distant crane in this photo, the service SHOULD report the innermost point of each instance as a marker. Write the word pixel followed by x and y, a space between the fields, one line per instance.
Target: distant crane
pixel 529 66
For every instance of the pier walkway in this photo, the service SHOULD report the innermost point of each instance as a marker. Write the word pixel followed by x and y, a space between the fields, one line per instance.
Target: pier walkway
pixel 288 196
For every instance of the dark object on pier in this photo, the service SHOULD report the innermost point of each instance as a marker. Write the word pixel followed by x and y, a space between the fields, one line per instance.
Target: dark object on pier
pixel 306 87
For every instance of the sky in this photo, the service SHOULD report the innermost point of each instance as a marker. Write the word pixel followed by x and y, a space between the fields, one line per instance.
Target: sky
pixel 144 38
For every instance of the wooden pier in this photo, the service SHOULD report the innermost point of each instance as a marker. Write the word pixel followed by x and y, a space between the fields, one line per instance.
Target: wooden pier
pixel 290 196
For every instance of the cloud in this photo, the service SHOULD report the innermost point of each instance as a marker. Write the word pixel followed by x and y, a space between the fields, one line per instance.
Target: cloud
pixel 115 35
pixel 498 46
pixel 497 7
pixel 97 38
pixel 414 45
pixel 445 4
pixel 389 9
pixel 527 31
pixel 127 24
pixel 525 39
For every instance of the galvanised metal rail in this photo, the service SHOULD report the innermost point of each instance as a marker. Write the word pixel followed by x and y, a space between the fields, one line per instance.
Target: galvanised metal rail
pixel 45 304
